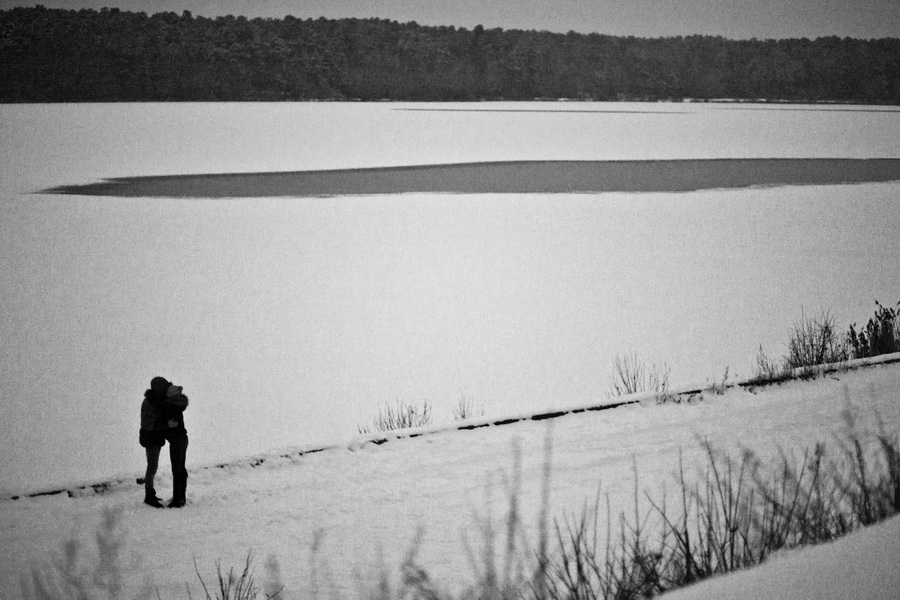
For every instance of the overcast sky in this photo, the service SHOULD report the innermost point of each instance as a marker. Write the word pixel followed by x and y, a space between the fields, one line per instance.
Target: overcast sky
pixel 645 18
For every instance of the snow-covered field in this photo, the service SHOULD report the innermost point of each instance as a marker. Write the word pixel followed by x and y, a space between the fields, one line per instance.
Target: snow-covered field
pixel 296 318
pixel 337 518
pixel 292 320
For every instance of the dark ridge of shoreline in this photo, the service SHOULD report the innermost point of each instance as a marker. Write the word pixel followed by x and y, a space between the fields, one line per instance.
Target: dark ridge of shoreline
pixel 513 177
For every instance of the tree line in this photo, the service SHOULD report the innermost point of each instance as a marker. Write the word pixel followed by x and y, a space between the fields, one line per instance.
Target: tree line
pixel 49 55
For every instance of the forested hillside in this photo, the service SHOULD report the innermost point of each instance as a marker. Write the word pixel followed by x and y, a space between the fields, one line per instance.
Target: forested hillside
pixel 111 55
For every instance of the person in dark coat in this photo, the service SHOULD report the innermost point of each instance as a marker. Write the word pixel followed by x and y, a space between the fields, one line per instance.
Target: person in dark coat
pixel 162 420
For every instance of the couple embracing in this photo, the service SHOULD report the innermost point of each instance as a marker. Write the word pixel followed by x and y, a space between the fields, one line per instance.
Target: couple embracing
pixel 162 420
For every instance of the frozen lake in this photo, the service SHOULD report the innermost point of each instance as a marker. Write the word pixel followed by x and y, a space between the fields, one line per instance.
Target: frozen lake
pixel 290 320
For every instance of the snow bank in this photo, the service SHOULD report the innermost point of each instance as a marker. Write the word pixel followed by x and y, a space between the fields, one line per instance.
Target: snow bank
pixel 862 566
pixel 340 516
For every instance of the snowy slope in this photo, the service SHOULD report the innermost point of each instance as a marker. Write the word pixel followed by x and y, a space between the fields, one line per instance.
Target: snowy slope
pixel 334 518
pixel 862 566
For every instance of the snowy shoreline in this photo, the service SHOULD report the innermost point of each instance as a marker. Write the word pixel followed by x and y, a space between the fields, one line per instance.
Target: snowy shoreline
pixel 347 511
pixel 686 393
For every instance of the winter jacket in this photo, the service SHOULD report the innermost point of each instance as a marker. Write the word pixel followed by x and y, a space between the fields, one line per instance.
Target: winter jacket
pixel 156 412
pixel 172 409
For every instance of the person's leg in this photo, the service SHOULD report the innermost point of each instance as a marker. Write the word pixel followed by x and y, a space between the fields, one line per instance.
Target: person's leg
pixel 178 455
pixel 152 465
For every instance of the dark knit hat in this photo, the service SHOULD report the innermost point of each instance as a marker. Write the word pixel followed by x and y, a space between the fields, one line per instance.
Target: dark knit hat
pixel 159 385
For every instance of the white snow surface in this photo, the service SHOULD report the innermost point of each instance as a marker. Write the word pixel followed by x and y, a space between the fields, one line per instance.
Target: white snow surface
pixel 336 519
pixel 291 321
pixel 862 566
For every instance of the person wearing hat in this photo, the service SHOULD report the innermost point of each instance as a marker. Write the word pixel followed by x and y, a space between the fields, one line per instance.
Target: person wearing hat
pixel 162 420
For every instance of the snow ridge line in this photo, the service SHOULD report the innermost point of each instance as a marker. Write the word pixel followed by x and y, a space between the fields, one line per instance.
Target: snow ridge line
pixel 686 392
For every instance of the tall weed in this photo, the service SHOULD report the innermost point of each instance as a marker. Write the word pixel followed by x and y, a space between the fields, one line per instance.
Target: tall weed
pixel 815 341
pixel 881 335
pixel 466 408
pixel 243 585
pixel 736 516
pixel 86 574
pixel 401 416
pixel 631 375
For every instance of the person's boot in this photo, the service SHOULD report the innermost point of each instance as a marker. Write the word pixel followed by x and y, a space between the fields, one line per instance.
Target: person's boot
pixel 179 489
pixel 151 499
